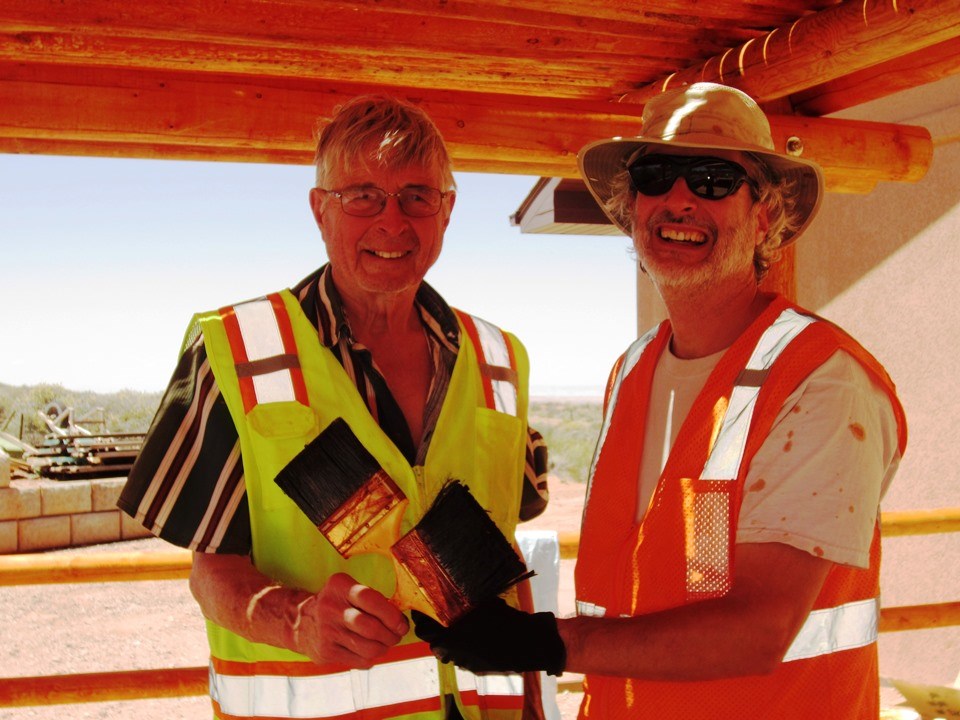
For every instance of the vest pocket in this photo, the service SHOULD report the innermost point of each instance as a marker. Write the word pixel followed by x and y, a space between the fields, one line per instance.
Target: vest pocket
pixel 498 470
pixel 278 431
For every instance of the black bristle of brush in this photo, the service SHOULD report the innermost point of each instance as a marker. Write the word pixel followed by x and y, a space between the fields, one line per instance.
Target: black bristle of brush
pixel 468 544
pixel 331 468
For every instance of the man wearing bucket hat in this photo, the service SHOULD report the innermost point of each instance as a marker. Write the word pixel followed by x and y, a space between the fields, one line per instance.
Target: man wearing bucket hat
pixel 730 549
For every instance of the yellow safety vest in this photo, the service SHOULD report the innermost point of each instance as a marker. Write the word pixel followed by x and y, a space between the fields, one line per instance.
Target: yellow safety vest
pixel 282 388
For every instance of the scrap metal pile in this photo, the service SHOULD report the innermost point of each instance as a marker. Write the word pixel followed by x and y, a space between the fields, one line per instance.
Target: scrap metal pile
pixel 71 450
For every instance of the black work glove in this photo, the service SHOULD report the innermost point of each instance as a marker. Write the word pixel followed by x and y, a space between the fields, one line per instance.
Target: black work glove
pixel 495 637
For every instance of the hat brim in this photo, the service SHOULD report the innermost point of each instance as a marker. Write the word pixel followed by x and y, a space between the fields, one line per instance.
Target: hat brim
pixel 602 160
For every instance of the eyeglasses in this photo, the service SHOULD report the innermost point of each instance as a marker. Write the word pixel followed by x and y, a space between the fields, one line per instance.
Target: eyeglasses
pixel 710 178
pixel 368 200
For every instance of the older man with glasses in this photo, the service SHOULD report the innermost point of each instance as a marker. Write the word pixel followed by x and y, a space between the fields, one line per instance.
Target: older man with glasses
pixel 295 629
pixel 730 552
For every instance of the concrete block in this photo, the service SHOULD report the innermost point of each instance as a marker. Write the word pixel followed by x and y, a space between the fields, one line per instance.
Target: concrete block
pixel 20 500
pixel 8 537
pixel 43 533
pixel 4 470
pixel 9 504
pixel 95 527
pixel 106 492
pixel 66 497
pixel 131 529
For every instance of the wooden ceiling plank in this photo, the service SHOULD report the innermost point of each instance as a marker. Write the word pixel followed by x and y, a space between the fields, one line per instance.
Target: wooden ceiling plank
pixel 835 42
pixel 902 73
pixel 290 18
pixel 494 133
pixel 252 25
pixel 325 55
pixel 726 14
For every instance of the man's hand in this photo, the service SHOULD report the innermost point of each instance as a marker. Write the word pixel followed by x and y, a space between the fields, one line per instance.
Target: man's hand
pixel 494 637
pixel 347 623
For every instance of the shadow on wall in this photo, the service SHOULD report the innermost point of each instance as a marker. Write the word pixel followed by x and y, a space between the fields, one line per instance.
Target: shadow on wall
pixel 855 233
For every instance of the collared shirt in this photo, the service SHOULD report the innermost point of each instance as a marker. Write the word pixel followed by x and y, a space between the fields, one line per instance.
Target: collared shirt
pixel 187 484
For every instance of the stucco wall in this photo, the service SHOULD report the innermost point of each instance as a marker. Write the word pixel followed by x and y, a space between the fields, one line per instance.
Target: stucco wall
pixel 885 266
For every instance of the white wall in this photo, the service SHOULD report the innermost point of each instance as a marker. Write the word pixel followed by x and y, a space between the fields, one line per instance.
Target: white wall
pixel 885 266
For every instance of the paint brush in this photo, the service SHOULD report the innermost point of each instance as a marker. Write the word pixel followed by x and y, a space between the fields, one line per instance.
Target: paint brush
pixel 454 558
pixel 457 555
pixel 341 487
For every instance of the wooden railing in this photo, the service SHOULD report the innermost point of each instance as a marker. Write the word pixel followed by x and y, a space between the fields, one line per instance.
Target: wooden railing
pixel 174 565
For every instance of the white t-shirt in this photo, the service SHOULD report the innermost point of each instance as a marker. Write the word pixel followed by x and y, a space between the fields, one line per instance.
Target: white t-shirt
pixel 817 481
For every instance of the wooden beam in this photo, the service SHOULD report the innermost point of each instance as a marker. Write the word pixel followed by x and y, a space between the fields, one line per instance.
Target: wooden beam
pixel 147 114
pixel 886 78
pixel 844 38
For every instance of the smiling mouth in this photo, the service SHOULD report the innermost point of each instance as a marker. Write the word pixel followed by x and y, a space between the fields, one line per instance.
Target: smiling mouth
pixel 687 237
pixel 388 255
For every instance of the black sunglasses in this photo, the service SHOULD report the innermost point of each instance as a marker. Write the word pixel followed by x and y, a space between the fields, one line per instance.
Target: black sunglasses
pixel 710 178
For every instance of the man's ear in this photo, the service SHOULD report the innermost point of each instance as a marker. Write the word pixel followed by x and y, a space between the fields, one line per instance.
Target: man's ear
pixel 317 197
pixel 763 223
pixel 451 200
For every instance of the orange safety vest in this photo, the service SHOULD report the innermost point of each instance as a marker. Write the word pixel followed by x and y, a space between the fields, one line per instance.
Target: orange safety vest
pixel 683 551
pixel 282 387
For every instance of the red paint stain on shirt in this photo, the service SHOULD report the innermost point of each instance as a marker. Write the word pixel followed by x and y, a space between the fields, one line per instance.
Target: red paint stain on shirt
pixel 858 432
pixel 850 508
pixel 818 551
pixel 759 485
pixel 788 446
pixel 796 409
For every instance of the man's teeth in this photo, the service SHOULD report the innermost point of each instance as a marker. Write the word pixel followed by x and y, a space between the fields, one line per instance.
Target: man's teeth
pixel 388 255
pixel 679 236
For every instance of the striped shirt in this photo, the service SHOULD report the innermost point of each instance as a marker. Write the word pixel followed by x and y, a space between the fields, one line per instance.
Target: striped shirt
pixel 187 483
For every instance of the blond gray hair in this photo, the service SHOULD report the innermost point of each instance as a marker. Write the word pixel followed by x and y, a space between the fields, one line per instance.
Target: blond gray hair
pixel 384 131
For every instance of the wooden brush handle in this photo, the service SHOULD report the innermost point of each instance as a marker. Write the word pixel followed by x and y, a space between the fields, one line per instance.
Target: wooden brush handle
pixel 409 595
pixel 370 525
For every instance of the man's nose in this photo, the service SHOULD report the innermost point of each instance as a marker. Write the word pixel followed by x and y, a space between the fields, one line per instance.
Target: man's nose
pixel 680 196
pixel 392 215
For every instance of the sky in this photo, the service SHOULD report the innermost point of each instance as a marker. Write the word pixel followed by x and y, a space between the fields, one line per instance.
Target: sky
pixel 104 261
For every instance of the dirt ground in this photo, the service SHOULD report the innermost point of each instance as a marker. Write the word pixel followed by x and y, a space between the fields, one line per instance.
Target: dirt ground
pixel 90 627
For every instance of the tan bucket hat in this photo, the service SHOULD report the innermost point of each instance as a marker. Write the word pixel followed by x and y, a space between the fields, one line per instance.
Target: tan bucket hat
pixel 713 117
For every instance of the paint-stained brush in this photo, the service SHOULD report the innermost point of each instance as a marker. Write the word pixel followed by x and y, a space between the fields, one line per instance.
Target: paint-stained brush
pixel 341 487
pixel 453 559
pixel 457 555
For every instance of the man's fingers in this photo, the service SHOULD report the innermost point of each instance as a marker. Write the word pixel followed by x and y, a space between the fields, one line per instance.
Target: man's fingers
pixel 375 605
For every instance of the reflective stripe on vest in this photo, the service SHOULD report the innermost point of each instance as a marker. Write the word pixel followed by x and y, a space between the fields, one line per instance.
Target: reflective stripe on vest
pixel 630 359
pixel 403 684
pixel 731 442
pixel 264 352
pixel 708 556
pixel 590 609
pixel 831 630
pixel 491 690
pixel 825 631
pixel 498 367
